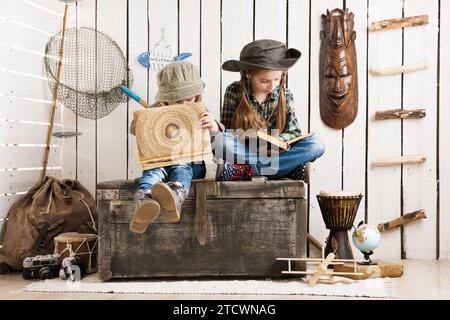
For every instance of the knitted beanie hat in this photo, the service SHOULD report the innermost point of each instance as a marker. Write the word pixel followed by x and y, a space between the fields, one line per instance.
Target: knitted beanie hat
pixel 177 81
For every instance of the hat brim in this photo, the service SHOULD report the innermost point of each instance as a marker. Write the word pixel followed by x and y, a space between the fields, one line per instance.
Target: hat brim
pixel 180 93
pixel 284 64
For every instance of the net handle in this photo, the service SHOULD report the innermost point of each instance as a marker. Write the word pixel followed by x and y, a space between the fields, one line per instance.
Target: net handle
pixel 54 95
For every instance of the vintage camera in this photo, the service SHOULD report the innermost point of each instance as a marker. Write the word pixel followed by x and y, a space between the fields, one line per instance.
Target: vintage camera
pixel 72 268
pixel 42 266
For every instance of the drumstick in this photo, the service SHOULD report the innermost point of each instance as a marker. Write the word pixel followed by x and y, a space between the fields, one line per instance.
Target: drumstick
pixel 134 96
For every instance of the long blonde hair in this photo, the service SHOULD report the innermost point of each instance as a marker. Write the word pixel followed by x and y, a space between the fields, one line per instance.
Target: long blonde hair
pixel 245 117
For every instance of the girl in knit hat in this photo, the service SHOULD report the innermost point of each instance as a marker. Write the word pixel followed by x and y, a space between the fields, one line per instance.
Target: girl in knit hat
pixel 161 191
pixel 260 100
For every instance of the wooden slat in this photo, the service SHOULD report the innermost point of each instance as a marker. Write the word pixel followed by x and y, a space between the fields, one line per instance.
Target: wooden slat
pixel 26 110
pixel 444 144
pixel 226 189
pixel 69 120
pixel 419 88
pixel 392 161
pixel 400 114
pixel 28 157
pixel 325 172
pixel 138 42
pixel 112 130
pixel 275 12
pixel 403 220
pixel 298 80
pixel 16 132
pixel 237 31
pixel 201 216
pixel 210 52
pixel 210 64
pixel 376 71
pixel 167 21
pixel 26 38
pixel 355 135
pixel 22 181
pixel 23 84
pixel 86 153
pixel 385 49
pixel 399 23
pixel 190 29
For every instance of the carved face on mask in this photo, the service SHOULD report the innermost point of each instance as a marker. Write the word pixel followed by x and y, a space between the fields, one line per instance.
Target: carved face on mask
pixel 338 70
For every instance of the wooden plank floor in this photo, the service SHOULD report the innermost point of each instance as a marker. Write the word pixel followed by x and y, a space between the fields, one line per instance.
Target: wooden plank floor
pixel 422 279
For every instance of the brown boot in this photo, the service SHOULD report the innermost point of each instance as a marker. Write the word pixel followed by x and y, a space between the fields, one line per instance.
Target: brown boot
pixel 147 211
pixel 170 197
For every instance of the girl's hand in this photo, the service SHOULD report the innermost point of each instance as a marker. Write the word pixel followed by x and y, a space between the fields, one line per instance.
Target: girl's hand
pixel 207 121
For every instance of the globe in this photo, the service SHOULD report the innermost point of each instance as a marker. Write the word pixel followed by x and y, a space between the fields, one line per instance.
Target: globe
pixel 366 238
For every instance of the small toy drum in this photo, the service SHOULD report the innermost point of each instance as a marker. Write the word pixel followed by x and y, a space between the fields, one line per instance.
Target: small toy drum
pixel 339 212
pixel 82 245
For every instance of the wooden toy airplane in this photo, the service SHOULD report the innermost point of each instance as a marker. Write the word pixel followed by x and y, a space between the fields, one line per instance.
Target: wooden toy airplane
pixel 322 267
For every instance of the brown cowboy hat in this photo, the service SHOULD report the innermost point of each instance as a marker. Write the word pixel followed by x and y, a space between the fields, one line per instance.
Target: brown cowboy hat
pixel 264 54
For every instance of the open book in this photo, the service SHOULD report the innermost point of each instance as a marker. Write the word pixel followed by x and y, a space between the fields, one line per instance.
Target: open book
pixel 280 142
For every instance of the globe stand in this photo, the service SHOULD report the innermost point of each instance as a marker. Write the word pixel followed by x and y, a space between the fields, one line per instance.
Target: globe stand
pixel 369 262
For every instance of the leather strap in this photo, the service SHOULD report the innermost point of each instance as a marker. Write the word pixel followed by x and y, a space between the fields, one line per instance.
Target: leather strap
pixel 201 216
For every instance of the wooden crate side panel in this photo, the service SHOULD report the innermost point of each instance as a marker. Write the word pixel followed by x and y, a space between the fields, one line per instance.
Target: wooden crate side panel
pixel 244 239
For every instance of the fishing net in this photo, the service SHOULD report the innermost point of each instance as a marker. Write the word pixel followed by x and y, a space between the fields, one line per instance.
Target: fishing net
pixel 93 67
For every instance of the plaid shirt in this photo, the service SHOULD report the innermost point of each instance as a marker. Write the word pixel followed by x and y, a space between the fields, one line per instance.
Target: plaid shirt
pixel 267 110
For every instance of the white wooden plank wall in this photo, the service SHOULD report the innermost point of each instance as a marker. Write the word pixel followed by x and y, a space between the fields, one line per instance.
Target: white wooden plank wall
pixel 25 97
pixel 443 135
pixel 215 31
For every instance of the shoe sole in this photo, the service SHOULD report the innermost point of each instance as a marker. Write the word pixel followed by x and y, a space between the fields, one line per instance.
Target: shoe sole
pixel 163 194
pixel 144 215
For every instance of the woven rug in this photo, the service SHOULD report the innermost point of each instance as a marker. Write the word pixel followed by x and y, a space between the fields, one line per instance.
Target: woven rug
pixel 375 288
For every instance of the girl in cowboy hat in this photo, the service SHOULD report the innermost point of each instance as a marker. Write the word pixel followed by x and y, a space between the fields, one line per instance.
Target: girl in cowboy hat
pixel 161 191
pixel 260 100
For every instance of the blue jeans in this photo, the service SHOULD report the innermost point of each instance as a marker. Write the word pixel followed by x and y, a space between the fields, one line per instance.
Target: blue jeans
pixel 183 173
pixel 228 147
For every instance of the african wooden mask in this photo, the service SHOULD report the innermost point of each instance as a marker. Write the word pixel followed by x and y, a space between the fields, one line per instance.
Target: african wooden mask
pixel 338 70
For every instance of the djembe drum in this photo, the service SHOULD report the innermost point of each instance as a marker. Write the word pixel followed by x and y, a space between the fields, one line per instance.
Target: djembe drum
pixel 339 212
pixel 83 245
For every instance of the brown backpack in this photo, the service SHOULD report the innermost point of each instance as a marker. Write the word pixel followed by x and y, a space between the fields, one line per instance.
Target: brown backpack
pixel 51 207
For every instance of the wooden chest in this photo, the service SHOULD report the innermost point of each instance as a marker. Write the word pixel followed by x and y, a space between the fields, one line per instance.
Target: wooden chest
pixel 226 229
